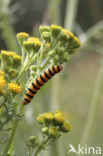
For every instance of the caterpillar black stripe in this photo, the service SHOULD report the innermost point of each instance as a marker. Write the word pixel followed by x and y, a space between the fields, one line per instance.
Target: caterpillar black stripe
pixel 40 81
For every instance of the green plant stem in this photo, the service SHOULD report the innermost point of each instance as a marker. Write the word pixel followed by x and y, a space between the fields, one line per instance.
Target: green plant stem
pixel 26 65
pixel 23 55
pixel 44 142
pixel 54 11
pixel 13 131
pixel 71 12
pixel 1 110
pixel 92 115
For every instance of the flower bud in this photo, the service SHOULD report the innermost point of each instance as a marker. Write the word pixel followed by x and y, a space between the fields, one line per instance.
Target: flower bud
pixel 32 45
pixel 45 130
pixel 17 60
pixel 58 118
pixel 33 68
pixel 56 58
pixel 66 57
pixel 22 36
pixel 53 132
pixel 40 119
pixel 33 141
pixel 55 30
pixel 44 29
pixel 12 73
pixel 48 117
pixel 66 127
pixel 51 53
pixel 46 36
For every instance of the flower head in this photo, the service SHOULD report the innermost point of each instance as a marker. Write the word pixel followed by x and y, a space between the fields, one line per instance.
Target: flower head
pixel 7 53
pixel 14 87
pixel 58 118
pixel 22 36
pixel 17 60
pixel 2 82
pixel 44 28
pixel 53 131
pixel 55 30
pixel 48 117
pixel 66 127
pixel 40 119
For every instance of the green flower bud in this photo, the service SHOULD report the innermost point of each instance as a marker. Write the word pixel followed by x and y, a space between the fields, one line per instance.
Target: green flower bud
pixel 56 58
pixel 17 60
pixel 40 119
pixel 51 53
pixel 55 30
pixel 7 58
pixel 22 37
pixel 32 45
pixel 66 57
pixel 63 37
pixel 33 141
pixel 44 29
pixel 60 51
pixel 33 68
pixel 46 36
pixel 53 132
pixel 12 72
pixel 45 130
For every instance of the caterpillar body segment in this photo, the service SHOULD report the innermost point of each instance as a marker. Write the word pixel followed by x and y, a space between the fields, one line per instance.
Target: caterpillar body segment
pixel 39 82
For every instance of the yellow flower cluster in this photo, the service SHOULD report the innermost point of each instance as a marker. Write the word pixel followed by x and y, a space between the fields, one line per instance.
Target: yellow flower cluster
pixel 55 122
pixel 32 44
pixel 14 87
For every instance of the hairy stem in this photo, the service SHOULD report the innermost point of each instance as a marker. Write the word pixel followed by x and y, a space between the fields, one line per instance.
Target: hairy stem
pixel 13 131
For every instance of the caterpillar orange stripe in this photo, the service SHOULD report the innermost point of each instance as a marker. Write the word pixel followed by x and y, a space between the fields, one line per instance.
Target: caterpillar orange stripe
pixel 40 81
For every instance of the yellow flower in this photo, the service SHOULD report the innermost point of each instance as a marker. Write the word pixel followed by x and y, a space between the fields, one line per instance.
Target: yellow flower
pixel 53 131
pixel 7 53
pixel 77 41
pixel 55 30
pixel 1 73
pixel 58 118
pixel 17 57
pixel 40 119
pixel 48 117
pixel 66 127
pixel 14 87
pixel 2 82
pixel 44 28
pixel 32 45
pixel 22 36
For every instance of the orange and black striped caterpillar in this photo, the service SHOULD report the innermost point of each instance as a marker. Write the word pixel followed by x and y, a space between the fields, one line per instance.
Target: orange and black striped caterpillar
pixel 40 81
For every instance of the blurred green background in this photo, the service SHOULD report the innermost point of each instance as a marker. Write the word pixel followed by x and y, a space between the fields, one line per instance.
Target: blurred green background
pixel 72 90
